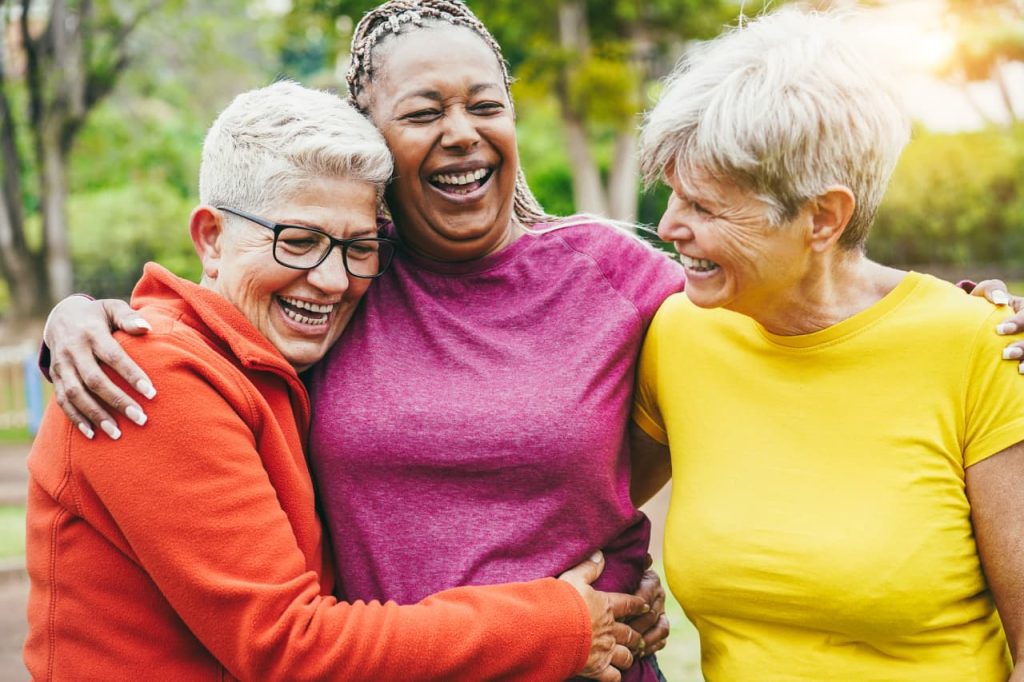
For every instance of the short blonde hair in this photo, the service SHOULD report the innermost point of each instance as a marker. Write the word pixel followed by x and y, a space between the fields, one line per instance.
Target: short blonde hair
pixel 270 142
pixel 785 107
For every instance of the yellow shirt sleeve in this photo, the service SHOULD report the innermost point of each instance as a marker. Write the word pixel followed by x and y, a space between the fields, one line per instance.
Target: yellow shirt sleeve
pixel 994 399
pixel 646 413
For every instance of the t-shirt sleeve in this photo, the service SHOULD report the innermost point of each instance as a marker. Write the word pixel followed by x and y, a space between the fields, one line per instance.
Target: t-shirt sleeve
pixel 646 412
pixel 994 399
pixel 641 273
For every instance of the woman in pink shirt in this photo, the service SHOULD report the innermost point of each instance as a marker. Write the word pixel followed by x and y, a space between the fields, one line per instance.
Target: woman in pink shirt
pixel 471 422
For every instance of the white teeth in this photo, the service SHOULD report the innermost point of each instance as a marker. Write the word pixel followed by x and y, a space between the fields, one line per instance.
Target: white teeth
pixel 461 179
pixel 312 307
pixel 302 319
pixel 699 264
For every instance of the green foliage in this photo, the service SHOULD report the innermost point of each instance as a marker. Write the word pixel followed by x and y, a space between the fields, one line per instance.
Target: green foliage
pixel 12 532
pixel 117 229
pixel 605 87
pixel 542 155
pixel 955 199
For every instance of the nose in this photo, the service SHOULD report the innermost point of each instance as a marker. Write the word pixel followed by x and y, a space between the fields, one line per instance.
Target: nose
pixel 673 227
pixel 459 129
pixel 330 276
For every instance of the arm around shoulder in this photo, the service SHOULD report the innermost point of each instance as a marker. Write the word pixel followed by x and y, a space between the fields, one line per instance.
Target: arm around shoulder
pixel 207 513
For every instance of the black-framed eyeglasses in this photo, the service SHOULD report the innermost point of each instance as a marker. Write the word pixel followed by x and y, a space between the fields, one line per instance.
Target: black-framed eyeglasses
pixel 304 248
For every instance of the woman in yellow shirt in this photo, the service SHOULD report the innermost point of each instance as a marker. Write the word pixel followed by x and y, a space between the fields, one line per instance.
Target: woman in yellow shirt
pixel 848 499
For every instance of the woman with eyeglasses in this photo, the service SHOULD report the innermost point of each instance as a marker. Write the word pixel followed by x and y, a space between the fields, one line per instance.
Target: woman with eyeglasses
pixel 192 549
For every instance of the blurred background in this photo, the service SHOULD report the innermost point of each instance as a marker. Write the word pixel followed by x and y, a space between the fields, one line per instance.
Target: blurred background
pixel 104 103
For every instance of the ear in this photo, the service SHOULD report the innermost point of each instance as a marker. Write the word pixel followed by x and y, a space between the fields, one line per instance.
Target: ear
pixel 831 213
pixel 206 227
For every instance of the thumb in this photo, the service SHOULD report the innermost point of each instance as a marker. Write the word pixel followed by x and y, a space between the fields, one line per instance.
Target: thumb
pixel 121 316
pixel 585 572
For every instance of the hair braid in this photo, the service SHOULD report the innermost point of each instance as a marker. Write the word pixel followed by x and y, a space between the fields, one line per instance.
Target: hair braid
pixel 389 19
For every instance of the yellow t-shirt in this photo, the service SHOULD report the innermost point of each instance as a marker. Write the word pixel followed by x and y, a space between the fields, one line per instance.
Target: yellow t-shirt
pixel 819 527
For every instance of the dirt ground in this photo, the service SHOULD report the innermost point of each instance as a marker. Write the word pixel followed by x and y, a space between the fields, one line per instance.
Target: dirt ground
pixel 13 583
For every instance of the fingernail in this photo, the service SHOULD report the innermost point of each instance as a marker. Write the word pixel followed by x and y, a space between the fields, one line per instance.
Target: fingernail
pixel 1006 328
pixel 110 429
pixel 596 557
pixel 145 388
pixel 136 415
pixel 141 323
pixel 999 297
pixel 1013 353
pixel 86 431
pixel 647 608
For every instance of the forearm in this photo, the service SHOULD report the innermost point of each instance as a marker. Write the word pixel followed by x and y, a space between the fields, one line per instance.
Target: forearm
pixel 651 466
pixel 997 512
pixel 192 499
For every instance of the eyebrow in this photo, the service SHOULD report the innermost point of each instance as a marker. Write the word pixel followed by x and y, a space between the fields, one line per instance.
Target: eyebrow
pixel 436 94
pixel 358 232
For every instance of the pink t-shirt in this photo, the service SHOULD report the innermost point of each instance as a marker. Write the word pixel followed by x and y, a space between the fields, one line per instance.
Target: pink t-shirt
pixel 469 426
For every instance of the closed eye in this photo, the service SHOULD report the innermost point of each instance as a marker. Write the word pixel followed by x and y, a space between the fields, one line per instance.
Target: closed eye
pixel 488 108
pixel 422 116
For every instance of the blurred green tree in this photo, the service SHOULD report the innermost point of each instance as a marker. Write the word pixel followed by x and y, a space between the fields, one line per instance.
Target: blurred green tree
pixel 596 58
pixel 58 62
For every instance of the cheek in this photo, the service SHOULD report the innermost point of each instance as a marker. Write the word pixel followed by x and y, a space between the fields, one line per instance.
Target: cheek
pixel 357 288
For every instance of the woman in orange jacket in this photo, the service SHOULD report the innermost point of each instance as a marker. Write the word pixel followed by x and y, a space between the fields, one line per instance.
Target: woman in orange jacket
pixel 192 549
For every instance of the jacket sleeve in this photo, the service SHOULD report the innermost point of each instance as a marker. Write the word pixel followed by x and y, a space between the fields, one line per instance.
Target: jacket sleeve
pixel 194 507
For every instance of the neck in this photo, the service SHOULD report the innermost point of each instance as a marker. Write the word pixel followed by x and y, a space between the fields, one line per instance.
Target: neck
pixel 834 289
pixel 451 251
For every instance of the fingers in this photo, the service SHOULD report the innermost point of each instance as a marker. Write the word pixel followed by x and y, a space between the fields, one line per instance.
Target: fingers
pixel 585 572
pixel 1011 325
pixel 629 637
pixel 626 605
pixel 622 657
pixel 656 637
pixel 75 399
pixel 609 674
pixel 650 587
pixel 122 316
pixel 110 353
pixel 645 622
pixel 994 290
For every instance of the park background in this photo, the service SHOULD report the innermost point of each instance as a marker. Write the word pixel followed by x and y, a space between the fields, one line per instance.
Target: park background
pixel 104 104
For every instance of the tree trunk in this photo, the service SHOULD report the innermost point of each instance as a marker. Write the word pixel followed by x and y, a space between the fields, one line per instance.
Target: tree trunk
pixel 999 76
pixel 622 180
pixel 55 219
pixel 26 283
pixel 587 189
pixel 574 37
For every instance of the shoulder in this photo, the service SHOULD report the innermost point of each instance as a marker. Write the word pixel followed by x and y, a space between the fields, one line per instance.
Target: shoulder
pixel 643 274
pixel 189 368
pixel 935 302
pixel 604 239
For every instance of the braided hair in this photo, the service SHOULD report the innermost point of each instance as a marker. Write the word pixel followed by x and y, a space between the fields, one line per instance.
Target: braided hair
pixel 391 18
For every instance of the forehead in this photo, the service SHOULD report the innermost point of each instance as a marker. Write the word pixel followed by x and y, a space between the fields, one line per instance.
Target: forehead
pixel 433 57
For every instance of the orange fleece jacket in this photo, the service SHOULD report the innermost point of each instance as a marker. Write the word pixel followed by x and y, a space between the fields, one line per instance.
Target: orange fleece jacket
pixel 191 549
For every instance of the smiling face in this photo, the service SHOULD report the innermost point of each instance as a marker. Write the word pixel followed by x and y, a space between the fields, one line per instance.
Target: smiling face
pixel 441 104
pixel 301 312
pixel 734 257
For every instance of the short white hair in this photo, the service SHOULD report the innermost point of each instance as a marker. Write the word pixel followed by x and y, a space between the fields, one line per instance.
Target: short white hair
pixel 784 106
pixel 268 143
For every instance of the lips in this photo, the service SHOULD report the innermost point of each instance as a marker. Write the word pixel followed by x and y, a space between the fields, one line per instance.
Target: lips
pixel 461 182
pixel 697 264
pixel 305 312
